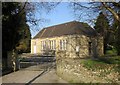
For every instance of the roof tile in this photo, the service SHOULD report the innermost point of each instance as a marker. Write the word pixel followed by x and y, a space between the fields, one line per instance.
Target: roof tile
pixel 69 28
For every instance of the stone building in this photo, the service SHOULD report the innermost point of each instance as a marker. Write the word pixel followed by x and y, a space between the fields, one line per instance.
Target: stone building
pixel 72 39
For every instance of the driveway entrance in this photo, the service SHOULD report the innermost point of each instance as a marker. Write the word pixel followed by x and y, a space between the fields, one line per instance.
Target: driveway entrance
pixel 35 70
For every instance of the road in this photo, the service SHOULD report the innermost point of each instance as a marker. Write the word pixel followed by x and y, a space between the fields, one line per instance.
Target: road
pixel 44 72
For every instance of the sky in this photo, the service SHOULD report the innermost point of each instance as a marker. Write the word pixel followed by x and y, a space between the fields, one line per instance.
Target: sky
pixel 60 14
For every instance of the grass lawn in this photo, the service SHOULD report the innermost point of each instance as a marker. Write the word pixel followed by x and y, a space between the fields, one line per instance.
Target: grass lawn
pixel 109 60
pixel 103 63
pixel 104 67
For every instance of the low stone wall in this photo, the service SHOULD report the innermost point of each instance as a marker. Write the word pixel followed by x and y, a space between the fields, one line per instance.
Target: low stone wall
pixel 74 72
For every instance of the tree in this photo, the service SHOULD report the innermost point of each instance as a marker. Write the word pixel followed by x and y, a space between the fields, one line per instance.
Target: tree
pixel 13 23
pixel 117 42
pixel 24 42
pixel 111 10
pixel 116 27
pixel 8 29
pixel 24 35
pixel 102 26
pixel 16 33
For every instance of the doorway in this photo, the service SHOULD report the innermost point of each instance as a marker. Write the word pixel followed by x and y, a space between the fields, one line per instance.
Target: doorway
pixel 35 49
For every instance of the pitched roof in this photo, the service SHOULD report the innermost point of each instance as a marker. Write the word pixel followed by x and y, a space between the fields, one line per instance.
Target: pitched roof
pixel 68 28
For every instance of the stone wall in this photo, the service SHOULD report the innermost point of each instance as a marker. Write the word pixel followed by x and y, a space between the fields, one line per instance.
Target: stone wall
pixel 97 46
pixel 74 72
pixel 77 46
pixel 12 60
pixel 100 46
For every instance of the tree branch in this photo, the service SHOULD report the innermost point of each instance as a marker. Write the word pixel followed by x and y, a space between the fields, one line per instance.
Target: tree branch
pixel 22 8
pixel 112 11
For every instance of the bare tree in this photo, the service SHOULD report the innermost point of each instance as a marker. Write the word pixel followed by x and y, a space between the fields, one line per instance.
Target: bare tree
pixel 33 8
pixel 110 9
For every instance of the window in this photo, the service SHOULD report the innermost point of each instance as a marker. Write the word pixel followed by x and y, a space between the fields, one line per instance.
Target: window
pixel 54 44
pixel 60 45
pixel 50 45
pixel 63 45
pixel 43 45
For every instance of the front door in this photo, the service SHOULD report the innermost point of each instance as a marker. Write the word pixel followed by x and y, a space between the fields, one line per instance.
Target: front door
pixel 35 49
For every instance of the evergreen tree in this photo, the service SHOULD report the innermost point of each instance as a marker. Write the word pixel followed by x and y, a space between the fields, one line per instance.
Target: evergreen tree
pixel 24 35
pixel 14 28
pixel 102 26
pixel 116 27
pixel 117 42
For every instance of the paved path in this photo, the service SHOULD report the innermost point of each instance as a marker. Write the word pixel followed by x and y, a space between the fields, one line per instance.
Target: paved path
pixel 33 76
pixel 49 77
pixel 20 76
